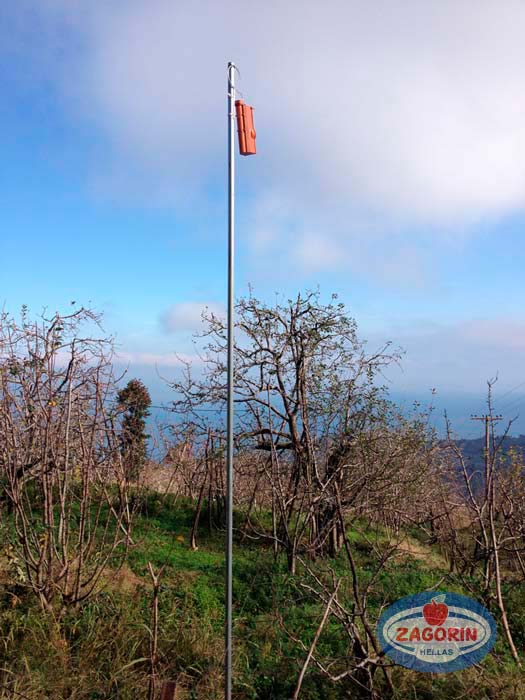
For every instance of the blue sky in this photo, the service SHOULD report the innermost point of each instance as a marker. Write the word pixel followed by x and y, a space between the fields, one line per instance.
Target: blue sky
pixel 391 170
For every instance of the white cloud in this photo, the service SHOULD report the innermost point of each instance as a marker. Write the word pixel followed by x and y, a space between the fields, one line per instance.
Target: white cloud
pixel 414 108
pixel 314 253
pixel 187 316
pixel 401 115
pixel 151 359
pixel 459 357
pixel 505 334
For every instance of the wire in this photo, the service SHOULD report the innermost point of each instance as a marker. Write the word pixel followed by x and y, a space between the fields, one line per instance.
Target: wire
pixel 169 409
pixel 508 405
pixel 510 391
pixel 515 402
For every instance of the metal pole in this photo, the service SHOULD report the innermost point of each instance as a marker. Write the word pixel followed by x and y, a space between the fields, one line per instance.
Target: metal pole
pixel 231 321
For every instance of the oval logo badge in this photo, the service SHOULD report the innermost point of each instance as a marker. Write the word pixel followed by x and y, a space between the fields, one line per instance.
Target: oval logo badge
pixel 436 632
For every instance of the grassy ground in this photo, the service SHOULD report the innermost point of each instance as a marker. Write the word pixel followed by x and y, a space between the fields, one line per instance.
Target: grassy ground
pixel 100 650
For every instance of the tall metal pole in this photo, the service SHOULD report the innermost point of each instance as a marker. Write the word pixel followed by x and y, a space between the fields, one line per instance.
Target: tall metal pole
pixel 231 321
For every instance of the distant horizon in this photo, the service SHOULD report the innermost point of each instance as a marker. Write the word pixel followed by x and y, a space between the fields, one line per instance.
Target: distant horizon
pixel 458 410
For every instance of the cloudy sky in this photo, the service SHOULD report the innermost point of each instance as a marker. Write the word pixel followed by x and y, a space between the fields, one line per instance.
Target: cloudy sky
pixel 390 169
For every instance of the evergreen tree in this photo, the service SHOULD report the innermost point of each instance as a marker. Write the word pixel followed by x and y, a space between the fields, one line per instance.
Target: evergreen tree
pixel 134 400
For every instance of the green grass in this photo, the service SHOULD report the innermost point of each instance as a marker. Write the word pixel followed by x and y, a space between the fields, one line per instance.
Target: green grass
pixel 98 651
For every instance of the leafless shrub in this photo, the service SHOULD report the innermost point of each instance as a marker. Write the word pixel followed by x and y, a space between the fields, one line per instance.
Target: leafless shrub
pixel 61 469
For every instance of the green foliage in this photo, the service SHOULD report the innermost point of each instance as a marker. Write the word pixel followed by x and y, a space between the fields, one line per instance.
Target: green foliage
pixel 134 400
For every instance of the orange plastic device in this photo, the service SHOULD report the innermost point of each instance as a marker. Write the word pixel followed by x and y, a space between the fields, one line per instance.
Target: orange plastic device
pixel 245 128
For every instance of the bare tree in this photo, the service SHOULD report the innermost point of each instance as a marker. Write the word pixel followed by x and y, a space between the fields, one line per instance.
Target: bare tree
pixel 345 600
pixel 489 508
pixel 62 471
pixel 304 385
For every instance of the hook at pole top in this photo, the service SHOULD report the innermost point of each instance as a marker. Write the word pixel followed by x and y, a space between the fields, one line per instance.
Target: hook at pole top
pixel 231 68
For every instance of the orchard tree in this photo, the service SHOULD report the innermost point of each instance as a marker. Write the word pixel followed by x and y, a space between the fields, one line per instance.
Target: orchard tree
pixel 134 401
pixel 306 392
pixel 61 468
pixel 486 533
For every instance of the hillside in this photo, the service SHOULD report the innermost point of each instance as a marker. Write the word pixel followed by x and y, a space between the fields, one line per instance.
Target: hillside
pixel 474 449
pixel 100 650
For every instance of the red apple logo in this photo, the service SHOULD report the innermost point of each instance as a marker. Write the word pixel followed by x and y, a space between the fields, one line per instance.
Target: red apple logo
pixel 436 612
